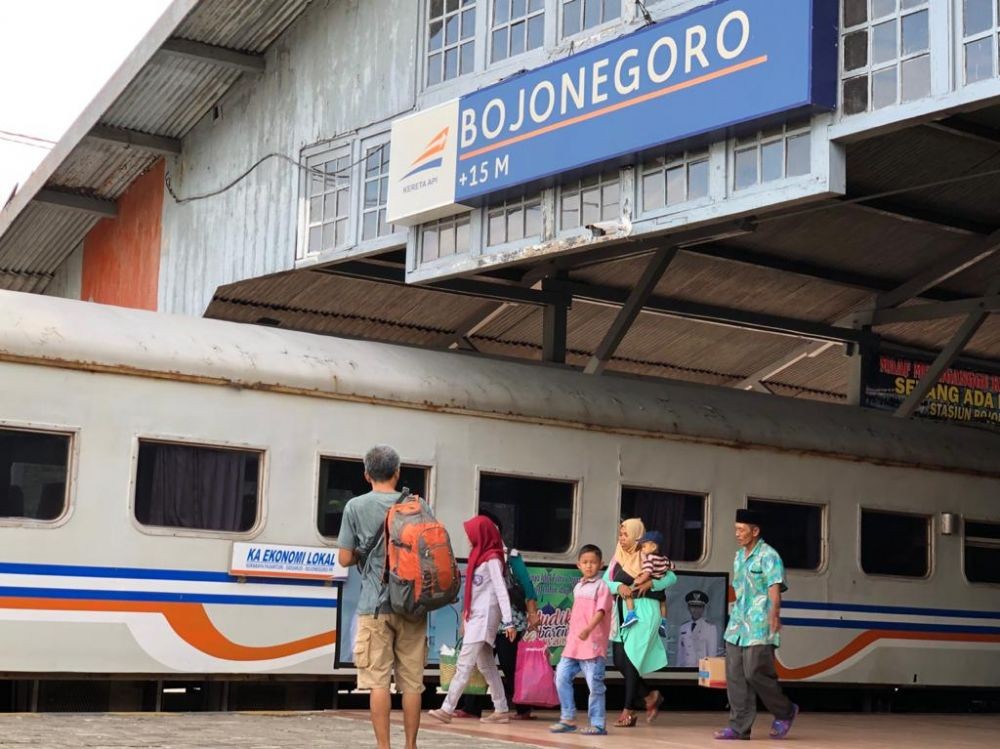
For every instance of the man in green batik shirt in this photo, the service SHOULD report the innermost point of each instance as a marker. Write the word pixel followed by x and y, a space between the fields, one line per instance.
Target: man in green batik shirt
pixel 752 634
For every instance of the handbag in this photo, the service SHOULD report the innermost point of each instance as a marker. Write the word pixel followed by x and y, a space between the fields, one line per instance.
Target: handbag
pixel 534 678
pixel 448 660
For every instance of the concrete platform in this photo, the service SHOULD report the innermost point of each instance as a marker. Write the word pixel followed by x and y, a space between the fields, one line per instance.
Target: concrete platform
pixel 351 730
pixel 687 730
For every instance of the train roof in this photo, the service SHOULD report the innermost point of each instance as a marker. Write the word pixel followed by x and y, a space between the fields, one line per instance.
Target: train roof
pixel 80 335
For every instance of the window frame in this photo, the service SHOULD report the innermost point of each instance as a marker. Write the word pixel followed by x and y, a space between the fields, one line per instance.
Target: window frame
pixel 263 477
pixel 522 203
pixel 871 68
pixel 475 230
pixel 685 158
pixel 624 191
pixel 395 238
pixel 763 138
pixel 824 529
pixel 706 529
pixel 322 455
pixel 961 41
pixel 491 27
pixel 965 576
pixel 72 464
pixel 354 200
pixel 621 18
pixel 931 546
pixel 577 483
pixel 478 50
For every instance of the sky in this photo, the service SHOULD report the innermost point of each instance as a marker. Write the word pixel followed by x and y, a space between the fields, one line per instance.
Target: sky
pixel 55 55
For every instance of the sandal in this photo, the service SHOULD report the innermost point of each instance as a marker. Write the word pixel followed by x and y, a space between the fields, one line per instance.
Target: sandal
pixel 653 706
pixel 594 731
pixel 561 727
pixel 627 721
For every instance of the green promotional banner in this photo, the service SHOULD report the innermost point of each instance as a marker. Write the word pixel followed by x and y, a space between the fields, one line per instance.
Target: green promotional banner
pixel 554 586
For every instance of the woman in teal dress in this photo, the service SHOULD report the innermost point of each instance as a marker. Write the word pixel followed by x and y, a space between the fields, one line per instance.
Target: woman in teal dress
pixel 638 650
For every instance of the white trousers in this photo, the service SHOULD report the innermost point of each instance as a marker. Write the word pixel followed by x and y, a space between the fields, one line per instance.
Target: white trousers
pixel 471 655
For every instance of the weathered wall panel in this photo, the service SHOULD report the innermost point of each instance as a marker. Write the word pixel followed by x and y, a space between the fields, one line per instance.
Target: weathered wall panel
pixel 342 66
pixel 121 256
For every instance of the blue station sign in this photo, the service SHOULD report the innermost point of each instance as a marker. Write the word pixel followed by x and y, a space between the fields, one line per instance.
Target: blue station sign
pixel 726 64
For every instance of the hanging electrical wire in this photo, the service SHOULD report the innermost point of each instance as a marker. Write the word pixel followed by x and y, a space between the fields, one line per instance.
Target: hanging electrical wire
pixel 32 141
pixel 326 176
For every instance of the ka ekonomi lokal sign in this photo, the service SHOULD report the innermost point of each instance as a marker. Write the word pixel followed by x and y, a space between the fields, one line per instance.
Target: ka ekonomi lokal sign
pixel 725 64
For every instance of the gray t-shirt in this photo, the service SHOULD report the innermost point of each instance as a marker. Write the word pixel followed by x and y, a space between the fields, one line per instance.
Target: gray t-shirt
pixel 361 528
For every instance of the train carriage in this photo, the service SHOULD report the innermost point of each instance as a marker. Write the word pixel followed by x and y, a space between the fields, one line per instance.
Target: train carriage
pixel 115 424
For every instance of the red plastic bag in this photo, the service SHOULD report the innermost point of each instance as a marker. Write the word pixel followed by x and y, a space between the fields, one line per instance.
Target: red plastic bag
pixel 534 679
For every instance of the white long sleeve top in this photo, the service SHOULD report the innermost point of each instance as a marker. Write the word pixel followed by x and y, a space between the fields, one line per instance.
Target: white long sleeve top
pixel 490 603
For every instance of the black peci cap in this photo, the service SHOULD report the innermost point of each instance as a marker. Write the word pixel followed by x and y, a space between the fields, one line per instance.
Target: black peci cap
pixel 750 517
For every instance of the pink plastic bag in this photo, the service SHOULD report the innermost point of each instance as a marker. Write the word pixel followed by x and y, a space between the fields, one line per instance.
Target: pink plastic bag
pixel 534 679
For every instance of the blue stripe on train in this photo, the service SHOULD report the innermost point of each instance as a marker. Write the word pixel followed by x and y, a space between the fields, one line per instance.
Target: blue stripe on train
pixel 889 626
pixel 868 608
pixel 138 573
pixel 161 597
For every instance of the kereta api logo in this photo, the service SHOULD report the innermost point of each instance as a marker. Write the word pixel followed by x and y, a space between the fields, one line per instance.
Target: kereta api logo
pixel 431 157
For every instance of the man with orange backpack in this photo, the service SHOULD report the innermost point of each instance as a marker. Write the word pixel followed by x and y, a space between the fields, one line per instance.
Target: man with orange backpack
pixel 419 574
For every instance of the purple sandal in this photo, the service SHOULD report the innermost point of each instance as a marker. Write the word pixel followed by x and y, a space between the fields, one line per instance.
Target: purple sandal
pixel 780 728
pixel 728 734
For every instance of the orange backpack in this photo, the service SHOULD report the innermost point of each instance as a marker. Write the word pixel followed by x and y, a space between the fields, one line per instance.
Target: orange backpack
pixel 421 574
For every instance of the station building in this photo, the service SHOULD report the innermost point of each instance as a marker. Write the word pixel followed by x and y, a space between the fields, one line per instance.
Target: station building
pixel 807 173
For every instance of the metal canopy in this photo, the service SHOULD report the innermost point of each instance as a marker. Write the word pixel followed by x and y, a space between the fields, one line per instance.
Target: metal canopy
pixel 774 305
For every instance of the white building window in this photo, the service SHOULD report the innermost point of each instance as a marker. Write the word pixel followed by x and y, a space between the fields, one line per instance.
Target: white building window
pixel 586 201
pixel 376 192
pixel 772 155
pixel 674 178
pixel 514 220
pixel 579 15
pixel 979 39
pixel 517 26
pixel 445 237
pixel 451 39
pixel 886 53
pixel 328 205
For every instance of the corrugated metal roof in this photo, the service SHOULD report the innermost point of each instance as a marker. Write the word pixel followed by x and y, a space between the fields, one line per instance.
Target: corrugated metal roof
pixel 170 96
pixel 245 25
pixel 102 169
pixel 655 346
pixel 38 242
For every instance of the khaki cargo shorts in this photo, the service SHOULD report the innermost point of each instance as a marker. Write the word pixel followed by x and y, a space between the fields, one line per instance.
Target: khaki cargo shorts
pixel 390 643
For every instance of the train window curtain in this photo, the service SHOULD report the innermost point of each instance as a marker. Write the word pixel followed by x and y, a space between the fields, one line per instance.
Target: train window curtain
pixel 679 516
pixel 181 486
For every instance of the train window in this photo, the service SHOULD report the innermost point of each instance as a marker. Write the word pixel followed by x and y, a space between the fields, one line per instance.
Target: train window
pixel 982 552
pixel 895 543
pixel 794 529
pixel 196 487
pixel 679 516
pixel 341 479
pixel 33 471
pixel 536 514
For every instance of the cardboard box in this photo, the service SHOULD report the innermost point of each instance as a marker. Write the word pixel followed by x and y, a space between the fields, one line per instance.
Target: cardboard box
pixel 712 673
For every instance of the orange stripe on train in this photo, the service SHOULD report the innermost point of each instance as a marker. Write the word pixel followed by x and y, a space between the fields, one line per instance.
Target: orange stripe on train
pixel 870 637
pixel 189 621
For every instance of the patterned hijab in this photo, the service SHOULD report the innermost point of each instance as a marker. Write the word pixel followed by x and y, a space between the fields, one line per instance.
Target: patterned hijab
pixel 628 556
